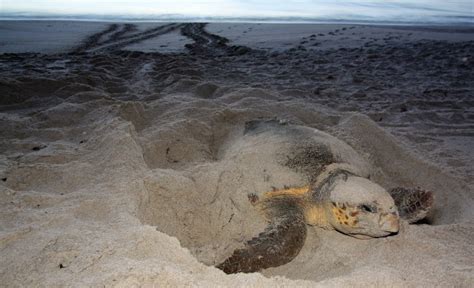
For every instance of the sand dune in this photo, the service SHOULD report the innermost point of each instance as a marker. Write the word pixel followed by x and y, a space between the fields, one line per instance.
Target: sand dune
pixel 124 168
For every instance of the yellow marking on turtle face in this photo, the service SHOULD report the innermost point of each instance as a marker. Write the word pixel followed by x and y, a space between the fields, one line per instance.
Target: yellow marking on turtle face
pixel 295 191
pixel 346 215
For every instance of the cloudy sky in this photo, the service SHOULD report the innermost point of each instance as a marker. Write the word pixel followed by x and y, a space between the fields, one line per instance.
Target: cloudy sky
pixel 238 8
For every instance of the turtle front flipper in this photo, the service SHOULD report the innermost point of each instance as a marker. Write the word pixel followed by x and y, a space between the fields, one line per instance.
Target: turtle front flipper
pixel 281 241
pixel 413 204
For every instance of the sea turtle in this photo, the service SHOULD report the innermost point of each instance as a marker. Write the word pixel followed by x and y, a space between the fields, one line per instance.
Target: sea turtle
pixel 339 197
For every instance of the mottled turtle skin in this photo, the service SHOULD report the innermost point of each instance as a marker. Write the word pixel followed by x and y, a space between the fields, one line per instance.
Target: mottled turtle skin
pixel 339 197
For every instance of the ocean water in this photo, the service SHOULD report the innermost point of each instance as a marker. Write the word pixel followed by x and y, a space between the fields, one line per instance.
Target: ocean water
pixel 298 11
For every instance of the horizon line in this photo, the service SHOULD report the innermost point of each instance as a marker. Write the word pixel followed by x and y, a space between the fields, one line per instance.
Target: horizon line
pixel 173 17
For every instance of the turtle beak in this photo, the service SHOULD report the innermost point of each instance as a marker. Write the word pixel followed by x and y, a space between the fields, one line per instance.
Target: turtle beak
pixel 389 222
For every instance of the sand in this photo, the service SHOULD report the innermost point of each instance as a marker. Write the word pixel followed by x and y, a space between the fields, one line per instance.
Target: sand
pixel 124 163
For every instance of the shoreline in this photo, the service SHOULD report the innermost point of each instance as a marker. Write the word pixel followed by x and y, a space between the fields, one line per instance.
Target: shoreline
pixel 467 24
pixel 47 36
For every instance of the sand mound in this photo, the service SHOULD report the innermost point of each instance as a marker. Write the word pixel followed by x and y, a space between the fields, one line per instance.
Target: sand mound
pixel 107 201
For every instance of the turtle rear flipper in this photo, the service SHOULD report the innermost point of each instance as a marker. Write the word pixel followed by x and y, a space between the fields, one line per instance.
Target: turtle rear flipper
pixel 281 241
pixel 413 204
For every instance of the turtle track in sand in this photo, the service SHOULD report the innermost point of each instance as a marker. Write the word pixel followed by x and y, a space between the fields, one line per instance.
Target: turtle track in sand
pixel 196 32
pixel 120 38
pixel 117 36
pixel 94 39
pixel 208 43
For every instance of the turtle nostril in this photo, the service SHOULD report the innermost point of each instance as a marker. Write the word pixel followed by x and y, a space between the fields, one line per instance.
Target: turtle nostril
pixel 390 223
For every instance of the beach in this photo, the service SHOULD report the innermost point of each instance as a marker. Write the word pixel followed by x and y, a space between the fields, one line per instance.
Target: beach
pixel 124 162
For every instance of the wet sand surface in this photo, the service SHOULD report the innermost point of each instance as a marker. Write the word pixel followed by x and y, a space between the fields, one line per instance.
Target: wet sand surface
pixel 123 161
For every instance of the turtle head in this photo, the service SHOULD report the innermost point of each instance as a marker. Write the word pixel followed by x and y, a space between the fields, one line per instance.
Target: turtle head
pixel 362 209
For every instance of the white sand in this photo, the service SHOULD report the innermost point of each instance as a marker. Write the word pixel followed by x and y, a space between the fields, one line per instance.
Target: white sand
pixel 172 42
pixel 131 170
pixel 44 36
pixel 284 36
pixel 61 36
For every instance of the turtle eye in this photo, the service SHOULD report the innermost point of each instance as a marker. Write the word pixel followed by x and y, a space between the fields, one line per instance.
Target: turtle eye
pixel 368 208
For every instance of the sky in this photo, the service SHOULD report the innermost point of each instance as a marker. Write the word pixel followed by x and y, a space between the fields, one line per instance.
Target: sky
pixel 337 9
